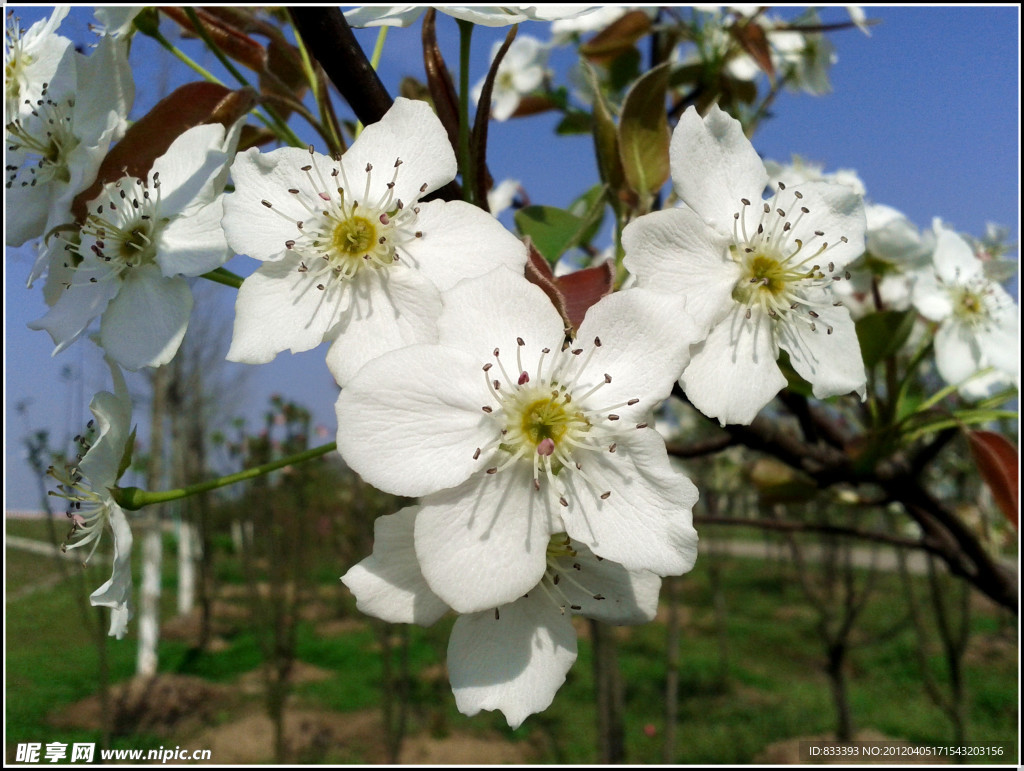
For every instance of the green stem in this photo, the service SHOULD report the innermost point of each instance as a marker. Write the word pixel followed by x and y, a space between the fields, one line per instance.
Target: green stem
pixel 378 47
pixel 132 498
pixel 225 277
pixel 465 159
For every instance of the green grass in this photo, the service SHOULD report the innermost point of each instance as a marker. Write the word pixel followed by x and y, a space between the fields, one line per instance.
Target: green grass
pixel 771 686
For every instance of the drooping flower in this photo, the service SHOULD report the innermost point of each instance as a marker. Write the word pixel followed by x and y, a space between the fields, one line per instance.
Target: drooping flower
pixel 54 150
pixel 351 254
pixel 141 237
pixel 756 274
pixel 32 60
pixel 511 438
pixel 91 506
pixel 496 16
pixel 521 72
pixel 515 656
pixel 979 324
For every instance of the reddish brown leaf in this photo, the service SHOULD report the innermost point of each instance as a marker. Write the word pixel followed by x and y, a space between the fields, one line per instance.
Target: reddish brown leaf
pixel 532 104
pixel 583 288
pixel 571 294
pixel 439 81
pixel 616 37
pixel 539 272
pixel 752 39
pixel 149 137
pixel 231 40
pixel 997 461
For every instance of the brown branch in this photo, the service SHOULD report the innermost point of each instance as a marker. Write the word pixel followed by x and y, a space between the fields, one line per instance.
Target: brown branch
pixel 329 39
pixel 700 448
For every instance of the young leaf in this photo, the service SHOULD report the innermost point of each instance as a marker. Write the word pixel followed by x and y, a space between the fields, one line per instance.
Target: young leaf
pixel 644 134
pixel 616 38
pixel 552 230
pixel 882 334
pixel 997 461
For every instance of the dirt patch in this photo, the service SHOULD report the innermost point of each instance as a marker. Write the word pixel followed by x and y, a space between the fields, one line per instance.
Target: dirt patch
pixel 316 737
pixel 338 627
pixel 252 683
pixel 160 705
pixel 787 751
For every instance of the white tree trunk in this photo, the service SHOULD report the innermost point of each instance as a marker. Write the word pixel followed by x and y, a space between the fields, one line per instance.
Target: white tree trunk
pixel 187 555
pixel 149 599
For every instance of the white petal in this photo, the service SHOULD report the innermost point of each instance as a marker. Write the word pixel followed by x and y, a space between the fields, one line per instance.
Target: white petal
pixel 999 339
pixel 116 593
pixel 831 363
pixel 734 372
pixel 253 229
pixel 645 344
pixel 515 662
pixel 491 311
pixel 674 251
pixel 412 133
pixel 835 210
pixel 646 522
pixel 383 16
pixel 194 244
pixel 390 310
pixel 113 414
pixel 930 298
pixel 189 167
pixel 957 354
pixel 955 261
pixel 627 596
pixel 105 93
pixel 278 308
pixel 714 166
pixel 25 211
pixel 388 584
pixel 410 420
pixel 78 305
pixel 483 543
pixel 461 241
pixel 144 325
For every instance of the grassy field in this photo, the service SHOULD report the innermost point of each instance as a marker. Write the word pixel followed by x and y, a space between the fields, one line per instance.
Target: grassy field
pixel 757 680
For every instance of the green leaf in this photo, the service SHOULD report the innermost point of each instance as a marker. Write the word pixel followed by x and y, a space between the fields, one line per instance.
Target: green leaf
pixel 555 231
pixel 551 229
pixel 644 134
pixel 794 382
pixel 606 137
pixel 575 122
pixel 882 334
pixel 589 207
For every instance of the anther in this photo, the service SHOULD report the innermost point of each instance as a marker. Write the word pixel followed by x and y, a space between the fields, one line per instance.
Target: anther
pixel 487 409
pixel 605 495
pixel 476 454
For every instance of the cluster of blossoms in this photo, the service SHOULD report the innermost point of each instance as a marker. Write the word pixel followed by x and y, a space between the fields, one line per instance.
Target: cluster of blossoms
pixel 543 488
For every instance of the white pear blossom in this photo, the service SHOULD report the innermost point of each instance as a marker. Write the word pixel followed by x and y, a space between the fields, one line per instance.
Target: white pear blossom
pixel 140 238
pixel 896 253
pixel 756 274
pixel 503 195
pixel 116 20
pixel 54 151
pixel 91 506
pixel 515 656
pixel 801 170
pixel 979 325
pixel 32 60
pixel 351 254
pixel 521 72
pixel 511 438
pixel 486 16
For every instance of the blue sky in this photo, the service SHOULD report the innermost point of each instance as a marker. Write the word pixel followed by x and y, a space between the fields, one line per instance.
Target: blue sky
pixel 926 110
